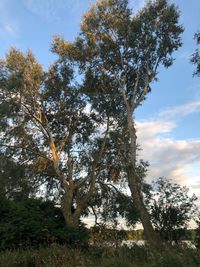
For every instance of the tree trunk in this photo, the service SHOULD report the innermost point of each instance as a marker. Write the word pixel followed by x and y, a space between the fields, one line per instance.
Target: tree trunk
pixel 150 234
pixel 69 213
pixel 134 184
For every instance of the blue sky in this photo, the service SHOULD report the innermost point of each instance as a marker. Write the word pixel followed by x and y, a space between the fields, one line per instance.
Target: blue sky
pixel 168 122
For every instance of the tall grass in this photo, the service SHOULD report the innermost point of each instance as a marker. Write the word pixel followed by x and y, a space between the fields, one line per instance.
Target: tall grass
pixel 62 256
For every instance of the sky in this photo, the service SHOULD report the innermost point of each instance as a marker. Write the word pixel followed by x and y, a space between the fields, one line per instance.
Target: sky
pixel 168 122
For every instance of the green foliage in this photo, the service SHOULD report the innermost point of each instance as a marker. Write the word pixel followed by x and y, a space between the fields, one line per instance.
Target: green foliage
pixel 111 205
pixel 118 53
pixel 13 182
pixel 171 209
pixel 33 223
pixel 117 48
pixel 51 132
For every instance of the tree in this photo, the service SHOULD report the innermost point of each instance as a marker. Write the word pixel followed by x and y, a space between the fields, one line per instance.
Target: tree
pixel 45 125
pixel 118 54
pixel 195 59
pixel 171 209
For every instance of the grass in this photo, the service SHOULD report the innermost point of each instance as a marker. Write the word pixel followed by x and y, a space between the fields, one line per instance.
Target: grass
pixel 62 256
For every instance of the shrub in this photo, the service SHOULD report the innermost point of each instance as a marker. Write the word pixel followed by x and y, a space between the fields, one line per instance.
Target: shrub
pixel 33 223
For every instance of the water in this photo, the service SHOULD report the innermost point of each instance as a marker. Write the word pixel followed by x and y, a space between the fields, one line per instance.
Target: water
pixel 140 243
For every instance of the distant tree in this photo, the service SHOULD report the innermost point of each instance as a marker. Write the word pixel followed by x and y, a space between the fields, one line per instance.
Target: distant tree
pixel 171 209
pixel 119 53
pixel 195 59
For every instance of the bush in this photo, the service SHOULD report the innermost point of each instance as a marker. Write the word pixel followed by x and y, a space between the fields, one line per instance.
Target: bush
pixel 33 223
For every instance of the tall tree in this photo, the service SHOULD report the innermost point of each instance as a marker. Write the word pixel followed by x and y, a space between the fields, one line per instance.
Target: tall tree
pixel 45 125
pixel 119 53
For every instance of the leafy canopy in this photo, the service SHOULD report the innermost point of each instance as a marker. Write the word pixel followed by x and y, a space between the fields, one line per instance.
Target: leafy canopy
pixel 171 208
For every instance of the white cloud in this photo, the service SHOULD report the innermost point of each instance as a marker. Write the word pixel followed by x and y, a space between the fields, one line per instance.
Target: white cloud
pixel 169 157
pixel 154 127
pixel 181 111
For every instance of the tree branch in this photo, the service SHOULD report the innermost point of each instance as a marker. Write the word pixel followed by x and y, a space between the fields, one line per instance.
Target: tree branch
pixel 92 175
pixel 26 148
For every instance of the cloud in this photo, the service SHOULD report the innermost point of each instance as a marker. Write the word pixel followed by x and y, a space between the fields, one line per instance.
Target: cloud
pixel 169 157
pixel 181 111
pixel 152 128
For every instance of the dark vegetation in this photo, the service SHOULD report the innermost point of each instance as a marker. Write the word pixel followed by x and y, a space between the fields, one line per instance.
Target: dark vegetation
pixel 62 256
pixel 69 148
pixel 32 223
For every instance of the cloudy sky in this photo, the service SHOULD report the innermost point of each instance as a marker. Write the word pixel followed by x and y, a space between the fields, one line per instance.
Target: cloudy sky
pixel 168 122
